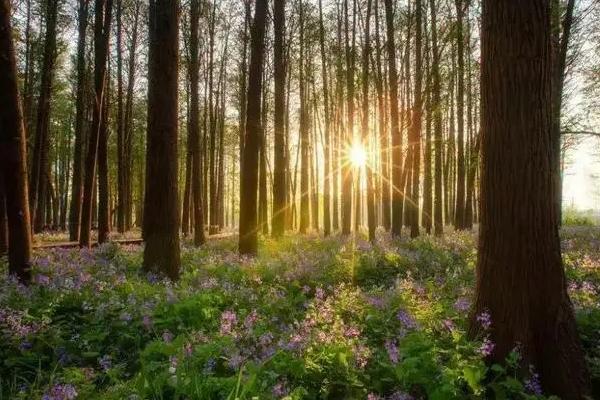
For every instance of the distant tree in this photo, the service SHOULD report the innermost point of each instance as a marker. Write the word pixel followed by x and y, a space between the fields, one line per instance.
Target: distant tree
pixel 161 203
pixel 249 167
pixel 13 155
pixel 520 277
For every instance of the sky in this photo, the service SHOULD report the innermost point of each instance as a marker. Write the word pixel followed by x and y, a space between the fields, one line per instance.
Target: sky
pixel 581 178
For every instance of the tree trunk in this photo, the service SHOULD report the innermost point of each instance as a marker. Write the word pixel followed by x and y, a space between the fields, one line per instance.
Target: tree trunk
pixel 103 189
pixel 40 163
pixel 161 203
pixel 459 220
pixel 436 110
pixel 75 208
pixel 121 162
pixel 415 128
pixel 13 155
pixel 279 185
pixel 304 198
pixel 395 123
pixel 249 168
pixel 103 10
pixel 519 247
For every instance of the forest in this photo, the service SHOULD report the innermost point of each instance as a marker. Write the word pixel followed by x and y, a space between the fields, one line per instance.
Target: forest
pixel 299 199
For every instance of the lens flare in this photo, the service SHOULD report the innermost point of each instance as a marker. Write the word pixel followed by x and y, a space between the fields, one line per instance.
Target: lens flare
pixel 357 155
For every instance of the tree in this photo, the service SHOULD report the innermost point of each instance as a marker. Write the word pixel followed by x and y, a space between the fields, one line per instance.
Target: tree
pixel 304 198
pixel 520 277
pixel 459 222
pixel 75 207
pixel 196 173
pixel 279 185
pixel 161 204
pixel 40 165
pixel 13 155
pixel 349 133
pixel 395 123
pixel 121 162
pixel 249 167
pixel 103 12
pixel 437 125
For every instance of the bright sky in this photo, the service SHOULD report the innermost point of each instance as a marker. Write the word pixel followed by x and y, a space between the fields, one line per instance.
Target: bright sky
pixel 581 184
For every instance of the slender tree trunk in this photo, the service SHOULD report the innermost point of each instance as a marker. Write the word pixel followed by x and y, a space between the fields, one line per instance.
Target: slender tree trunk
pixel 103 188
pixel 415 127
pixel 103 11
pixel 519 246
pixel 161 203
pixel 3 219
pixel 196 152
pixel 121 162
pixel 279 184
pixel 75 208
pixel 13 155
pixel 437 125
pixel 304 126
pixel 249 168
pixel 40 162
pixel 395 132
pixel 461 6
pixel 348 135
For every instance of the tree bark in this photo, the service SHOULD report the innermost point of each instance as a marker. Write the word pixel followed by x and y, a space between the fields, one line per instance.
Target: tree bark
pixel 161 203
pixel 249 168
pixel 459 219
pixel 13 155
pixel 520 277
pixel 103 12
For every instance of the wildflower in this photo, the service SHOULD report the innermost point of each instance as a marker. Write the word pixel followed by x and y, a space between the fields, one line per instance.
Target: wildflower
pixel 373 396
pixel 406 319
pixel 25 345
pixel 533 384
pixel 280 389
pixel 399 396
pixel 167 336
pixel 228 322
pixel 392 350
pixel 147 322
pixel 319 293
pixel 188 349
pixel 61 392
pixel 362 354
pixel 462 304
pixel 42 280
pixel 251 319
pixel 449 324
pixel 351 332
pixel 485 320
pixel 105 362
pixel 209 366
pixel 487 347
pixel 305 289
pixel 125 317
pixel 173 364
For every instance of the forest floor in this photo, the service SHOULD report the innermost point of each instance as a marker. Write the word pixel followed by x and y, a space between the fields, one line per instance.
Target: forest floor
pixel 309 318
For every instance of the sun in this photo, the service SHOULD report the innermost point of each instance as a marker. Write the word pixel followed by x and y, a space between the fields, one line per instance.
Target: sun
pixel 357 155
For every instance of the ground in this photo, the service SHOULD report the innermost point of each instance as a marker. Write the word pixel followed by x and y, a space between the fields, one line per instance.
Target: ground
pixel 310 318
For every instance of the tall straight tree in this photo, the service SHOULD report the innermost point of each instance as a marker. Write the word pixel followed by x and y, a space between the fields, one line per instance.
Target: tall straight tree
pixel 249 168
pixel 520 276
pixel 365 123
pixel 40 164
pixel 161 204
pixel 279 185
pixel 349 133
pixel 327 145
pixel 459 217
pixel 103 12
pixel 13 155
pixel 397 186
pixel 121 162
pixel 438 223
pixel 415 126
pixel 194 127
pixel 75 206
pixel 304 198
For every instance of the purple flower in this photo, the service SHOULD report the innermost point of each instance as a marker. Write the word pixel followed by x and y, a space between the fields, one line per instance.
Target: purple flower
pixel 61 392
pixel 251 319
pixel 352 332
pixel 399 396
pixel 147 322
pixel 105 362
pixel 533 384
pixel 485 320
pixel 228 322
pixel 373 396
pixel 209 366
pixel 392 350
pixel 487 347
pixel 167 336
pixel 449 324
pixel 462 304
pixel 42 280
pixel 319 293
pixel 280 389
pixel 406 319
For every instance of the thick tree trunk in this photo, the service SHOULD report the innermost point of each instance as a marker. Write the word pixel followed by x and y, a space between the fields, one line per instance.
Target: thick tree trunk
pixel 161 202
pixel 13 155
pixel 520 277
pixel 103 189
pixel 249 168
pixel 279 184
